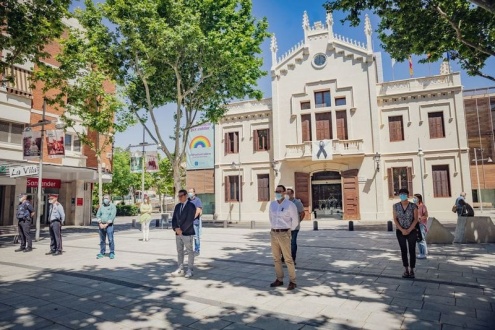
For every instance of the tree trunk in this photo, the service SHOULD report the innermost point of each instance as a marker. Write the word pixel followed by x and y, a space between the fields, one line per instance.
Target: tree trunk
pixel 177 181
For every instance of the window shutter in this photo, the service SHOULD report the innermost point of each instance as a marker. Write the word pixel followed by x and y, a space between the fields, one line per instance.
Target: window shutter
pixel 240 188
pixel 390 180
pixel 227 189
pixel 341 125
pixel 268 139
pixel 391 129
pixel 409 181
pixel 400 130
pixel 236 142
pixel 306 127
pixel 226 143
pixel 255 140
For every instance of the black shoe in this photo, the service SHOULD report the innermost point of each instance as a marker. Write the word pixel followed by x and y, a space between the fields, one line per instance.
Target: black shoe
pixel 28 249
pixel 276 283
pixel 20 250
pixel 49 253
pixel 57 253
pixel 291 286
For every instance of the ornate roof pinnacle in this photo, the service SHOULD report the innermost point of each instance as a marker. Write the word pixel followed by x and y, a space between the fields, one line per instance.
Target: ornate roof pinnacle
pixel 305 24
pixel 329 19
pixel 367 25
pixel 273 45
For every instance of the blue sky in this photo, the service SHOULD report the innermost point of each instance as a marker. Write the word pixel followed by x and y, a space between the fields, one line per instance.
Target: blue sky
pixel 285 20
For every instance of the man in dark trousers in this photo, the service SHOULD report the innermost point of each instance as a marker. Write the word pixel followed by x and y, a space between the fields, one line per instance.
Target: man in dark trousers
pixel 25 213
pixel 183 225
pixel 56 217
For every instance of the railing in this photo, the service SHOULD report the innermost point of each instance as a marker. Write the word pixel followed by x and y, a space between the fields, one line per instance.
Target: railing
pixel 418 84
pixel 339 147
pixel 20 83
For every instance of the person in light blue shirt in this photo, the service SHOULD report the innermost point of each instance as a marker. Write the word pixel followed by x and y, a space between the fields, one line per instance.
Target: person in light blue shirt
pixel 197 219
pixel 106 216
pixel 56 217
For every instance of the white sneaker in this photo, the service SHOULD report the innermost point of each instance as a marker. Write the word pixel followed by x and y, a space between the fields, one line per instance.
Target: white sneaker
pixel 177 273
pixel 189 273
pixel 421 256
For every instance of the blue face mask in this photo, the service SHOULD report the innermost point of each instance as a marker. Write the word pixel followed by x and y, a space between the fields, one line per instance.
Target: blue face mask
pixel 278 196
pixel 106 201
pixel 403 197
pixel 415 200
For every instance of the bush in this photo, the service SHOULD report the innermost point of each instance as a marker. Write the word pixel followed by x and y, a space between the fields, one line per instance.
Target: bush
pixel 127 210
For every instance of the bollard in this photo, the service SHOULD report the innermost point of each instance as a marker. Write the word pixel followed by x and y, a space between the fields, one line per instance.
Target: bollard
pixel 157 223
pixel 389 225
pixel 133 223
pixel 225 224
pixel 315 225
pixel 316 216
pixel 253 224
pixel 351 225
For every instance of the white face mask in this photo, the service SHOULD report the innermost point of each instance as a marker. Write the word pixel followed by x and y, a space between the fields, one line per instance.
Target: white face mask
pixel 21 200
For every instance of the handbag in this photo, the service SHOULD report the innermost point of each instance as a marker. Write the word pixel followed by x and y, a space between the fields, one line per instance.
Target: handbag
pixel 420 234
pixel 454 208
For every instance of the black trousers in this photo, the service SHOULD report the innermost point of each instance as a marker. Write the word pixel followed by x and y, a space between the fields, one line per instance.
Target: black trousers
pixel 55 236
pixel 407 242
pixel 24 227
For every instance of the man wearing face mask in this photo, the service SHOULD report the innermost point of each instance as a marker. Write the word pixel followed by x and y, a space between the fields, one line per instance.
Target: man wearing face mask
pixel 56 216
pixel 197 219
pixel 283 219
pixel 106 216
pixel 25 213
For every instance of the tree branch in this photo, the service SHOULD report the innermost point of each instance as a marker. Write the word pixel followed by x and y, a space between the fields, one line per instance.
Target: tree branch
pixel 457 29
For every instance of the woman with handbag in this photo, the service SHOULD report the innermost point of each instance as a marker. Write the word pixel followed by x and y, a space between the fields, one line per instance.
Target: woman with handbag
pixel 423 219
pixel 145 209
pixel 406 218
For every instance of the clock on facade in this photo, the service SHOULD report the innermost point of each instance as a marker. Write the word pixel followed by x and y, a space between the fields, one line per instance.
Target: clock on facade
pixel 320 60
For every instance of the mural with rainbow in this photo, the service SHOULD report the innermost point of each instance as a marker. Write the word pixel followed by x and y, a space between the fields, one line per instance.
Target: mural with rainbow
pixel 200 141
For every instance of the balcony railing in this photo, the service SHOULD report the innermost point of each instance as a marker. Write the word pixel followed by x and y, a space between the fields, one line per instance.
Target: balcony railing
pixel 20 83
pixel 339 147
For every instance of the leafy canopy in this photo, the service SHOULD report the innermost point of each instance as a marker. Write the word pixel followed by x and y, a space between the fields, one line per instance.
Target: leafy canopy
pixel 28 26
pixel 463 29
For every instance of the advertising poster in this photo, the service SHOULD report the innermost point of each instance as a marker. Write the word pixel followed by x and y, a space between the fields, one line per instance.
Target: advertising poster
pixel 31 144
pixel 322 150
pixel 151 163
pixel 136 163
pixel 55 143
pixel 200 151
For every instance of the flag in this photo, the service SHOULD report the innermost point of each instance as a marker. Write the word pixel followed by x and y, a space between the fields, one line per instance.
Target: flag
pixel 136 163
pixel 411 71
pixel 55 143
pixel 151 162
pixel 31 144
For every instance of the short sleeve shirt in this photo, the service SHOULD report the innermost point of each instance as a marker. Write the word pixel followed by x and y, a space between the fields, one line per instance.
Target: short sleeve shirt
pixel 405 216
pixel 197 202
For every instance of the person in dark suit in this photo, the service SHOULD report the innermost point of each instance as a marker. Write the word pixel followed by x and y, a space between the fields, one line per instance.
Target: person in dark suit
pixel 183 225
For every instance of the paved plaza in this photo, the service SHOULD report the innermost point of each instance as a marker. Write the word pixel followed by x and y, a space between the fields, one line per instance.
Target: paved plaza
pixel 346 280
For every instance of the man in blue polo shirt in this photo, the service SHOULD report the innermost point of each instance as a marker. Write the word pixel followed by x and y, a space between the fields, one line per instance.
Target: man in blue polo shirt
pixel 197 219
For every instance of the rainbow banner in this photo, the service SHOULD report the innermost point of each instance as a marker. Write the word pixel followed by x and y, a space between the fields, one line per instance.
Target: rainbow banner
pixel 200 151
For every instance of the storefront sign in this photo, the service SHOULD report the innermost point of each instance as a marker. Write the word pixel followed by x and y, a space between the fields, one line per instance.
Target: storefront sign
pixel 45 183
pixel 80 201
pixel 23 171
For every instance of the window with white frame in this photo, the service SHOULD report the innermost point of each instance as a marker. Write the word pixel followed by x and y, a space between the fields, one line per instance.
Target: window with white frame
pixel 72 143
pixel 11 132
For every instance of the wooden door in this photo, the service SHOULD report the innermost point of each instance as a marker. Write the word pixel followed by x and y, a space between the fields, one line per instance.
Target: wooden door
pixel 323 126
pixel 301 188
pixel 306 127
pixel 341 125
pixel 350 192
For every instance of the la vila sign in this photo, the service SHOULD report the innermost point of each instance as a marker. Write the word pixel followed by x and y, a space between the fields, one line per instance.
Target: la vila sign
pixel 23 171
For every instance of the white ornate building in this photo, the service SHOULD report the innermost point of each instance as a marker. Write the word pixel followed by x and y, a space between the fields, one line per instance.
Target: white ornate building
pixel 329 88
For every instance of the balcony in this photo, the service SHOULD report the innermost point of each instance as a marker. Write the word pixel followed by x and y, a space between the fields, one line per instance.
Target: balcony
pixel 339 147
pixel 418 85
pixel 21 82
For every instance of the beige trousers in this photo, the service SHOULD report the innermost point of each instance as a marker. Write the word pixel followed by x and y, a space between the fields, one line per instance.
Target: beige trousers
pixel 281 247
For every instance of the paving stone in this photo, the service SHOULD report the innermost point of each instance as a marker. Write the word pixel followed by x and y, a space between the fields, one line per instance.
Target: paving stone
pixel 411 324
pixel 422 314
pixel 407 303
pixel 439 300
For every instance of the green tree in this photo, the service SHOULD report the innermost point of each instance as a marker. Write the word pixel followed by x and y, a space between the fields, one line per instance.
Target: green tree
pixel 27 27
pixel 463 29
pixel 196 54
pixel 122 179
pixel 163 180
pixel 81 88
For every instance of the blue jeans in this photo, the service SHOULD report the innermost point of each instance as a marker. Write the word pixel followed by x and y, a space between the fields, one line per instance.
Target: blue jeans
pixel 104 233
pixel 293 244
pixel 422 245
pixel 197 234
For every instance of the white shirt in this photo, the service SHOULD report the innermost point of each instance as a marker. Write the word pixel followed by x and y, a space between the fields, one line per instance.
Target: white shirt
pixel 283 215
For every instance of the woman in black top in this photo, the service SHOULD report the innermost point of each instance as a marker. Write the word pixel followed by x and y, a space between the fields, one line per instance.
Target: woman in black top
pixel 406 218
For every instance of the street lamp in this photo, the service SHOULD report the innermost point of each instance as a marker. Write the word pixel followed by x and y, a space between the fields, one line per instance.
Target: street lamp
pixel 59 124
pixel 376 158
pixel 234 164
pixel 488 160
pixel 421 155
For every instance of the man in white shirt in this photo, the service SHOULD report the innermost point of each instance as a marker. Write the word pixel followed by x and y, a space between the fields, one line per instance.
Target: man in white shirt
pixel 283 219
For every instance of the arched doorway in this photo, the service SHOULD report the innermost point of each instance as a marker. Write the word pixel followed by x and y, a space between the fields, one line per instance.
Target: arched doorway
pixel 326 193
